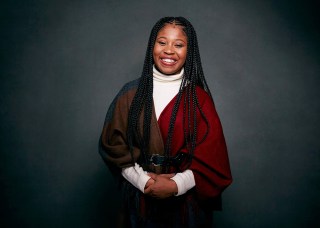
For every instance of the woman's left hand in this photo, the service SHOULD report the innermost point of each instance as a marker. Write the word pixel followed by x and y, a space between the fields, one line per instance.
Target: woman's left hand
pixel 163 187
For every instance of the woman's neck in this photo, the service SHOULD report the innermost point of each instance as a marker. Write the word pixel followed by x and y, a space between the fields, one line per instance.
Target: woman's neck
pixel 160 77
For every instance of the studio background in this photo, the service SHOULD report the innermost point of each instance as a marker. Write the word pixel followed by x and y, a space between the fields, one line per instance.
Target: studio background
pixel 62 62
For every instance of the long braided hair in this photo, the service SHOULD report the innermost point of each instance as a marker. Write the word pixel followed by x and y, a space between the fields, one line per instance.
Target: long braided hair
pixel 143 99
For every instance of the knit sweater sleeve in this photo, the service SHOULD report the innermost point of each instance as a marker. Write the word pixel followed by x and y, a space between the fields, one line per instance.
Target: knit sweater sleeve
pixel 136 176
pixel 185 181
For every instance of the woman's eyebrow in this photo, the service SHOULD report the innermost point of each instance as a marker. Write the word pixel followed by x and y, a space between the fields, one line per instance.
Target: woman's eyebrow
pixel 163 37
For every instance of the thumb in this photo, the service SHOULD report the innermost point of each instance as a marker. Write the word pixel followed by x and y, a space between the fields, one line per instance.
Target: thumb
pixel 152 175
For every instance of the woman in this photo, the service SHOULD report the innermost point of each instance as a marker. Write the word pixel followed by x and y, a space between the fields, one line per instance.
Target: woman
pixel 162 136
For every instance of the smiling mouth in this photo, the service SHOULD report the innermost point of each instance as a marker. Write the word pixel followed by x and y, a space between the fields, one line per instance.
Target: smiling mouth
pixel 168 62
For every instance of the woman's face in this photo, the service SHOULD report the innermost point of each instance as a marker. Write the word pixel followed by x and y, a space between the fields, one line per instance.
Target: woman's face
pixel 170 49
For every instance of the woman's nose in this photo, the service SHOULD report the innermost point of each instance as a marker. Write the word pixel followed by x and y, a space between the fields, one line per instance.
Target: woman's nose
pixel 168 50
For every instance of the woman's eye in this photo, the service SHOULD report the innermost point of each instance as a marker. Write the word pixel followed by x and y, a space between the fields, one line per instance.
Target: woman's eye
pixel 161 43
pixel 179 45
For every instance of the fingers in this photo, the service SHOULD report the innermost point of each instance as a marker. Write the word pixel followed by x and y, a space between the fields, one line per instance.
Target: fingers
pixel 152 175
pixel 169 175
pixel 148 190
pixel 160 186
pixel 149 183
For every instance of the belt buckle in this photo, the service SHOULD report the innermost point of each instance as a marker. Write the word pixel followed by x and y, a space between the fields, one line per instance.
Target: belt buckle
pixel 151 159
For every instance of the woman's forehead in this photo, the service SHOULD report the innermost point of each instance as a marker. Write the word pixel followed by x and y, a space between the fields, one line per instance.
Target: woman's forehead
pixel 169 29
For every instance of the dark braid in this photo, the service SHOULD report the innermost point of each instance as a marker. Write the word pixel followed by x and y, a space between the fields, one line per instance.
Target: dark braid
pixel 142 102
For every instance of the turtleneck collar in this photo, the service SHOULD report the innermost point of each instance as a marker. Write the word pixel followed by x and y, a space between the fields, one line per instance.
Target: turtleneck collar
pixel 160 77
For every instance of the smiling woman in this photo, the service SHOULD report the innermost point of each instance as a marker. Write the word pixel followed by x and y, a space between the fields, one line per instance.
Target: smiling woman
pixel 163 139
pixel 170 49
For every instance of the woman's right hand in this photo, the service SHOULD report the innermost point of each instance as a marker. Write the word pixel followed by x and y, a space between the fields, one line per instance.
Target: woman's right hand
pixel 149 183
pixel 160 186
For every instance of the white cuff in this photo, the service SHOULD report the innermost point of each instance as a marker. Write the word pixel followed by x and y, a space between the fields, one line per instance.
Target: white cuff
pixel 136 176
pixel 185 181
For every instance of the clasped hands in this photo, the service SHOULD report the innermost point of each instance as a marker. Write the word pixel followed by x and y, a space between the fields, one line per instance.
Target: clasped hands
pixel 160 186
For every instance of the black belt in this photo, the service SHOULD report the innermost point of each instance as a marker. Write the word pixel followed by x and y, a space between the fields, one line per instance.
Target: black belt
pixel 160 160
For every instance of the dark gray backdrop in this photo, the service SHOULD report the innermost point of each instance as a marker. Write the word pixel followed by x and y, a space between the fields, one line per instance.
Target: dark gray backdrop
pixel 62 62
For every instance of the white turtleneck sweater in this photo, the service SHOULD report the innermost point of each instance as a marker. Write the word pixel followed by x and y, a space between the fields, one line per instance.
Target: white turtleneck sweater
pixel 165 88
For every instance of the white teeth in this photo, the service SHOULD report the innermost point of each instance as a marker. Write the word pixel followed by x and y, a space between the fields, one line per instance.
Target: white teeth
pixel 168 60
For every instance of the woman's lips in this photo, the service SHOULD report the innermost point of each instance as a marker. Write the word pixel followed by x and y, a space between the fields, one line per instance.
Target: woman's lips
pixel 168 61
